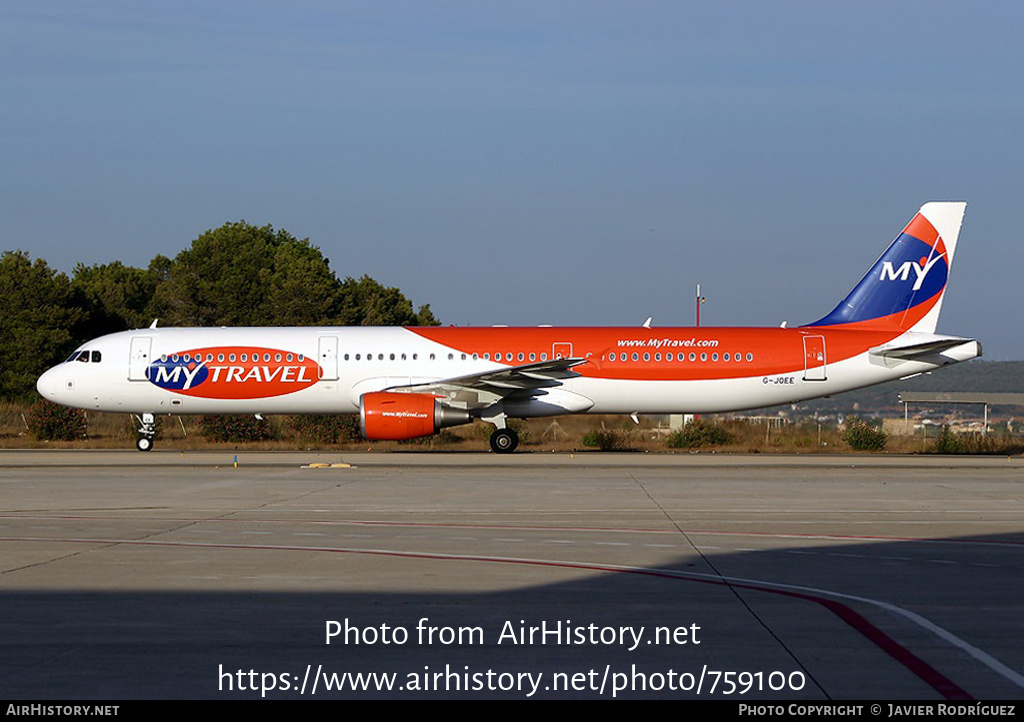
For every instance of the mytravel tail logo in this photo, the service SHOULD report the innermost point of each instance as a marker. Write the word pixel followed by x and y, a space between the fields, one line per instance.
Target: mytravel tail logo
pixel 891 273
pixel 903 285
pixel 234 372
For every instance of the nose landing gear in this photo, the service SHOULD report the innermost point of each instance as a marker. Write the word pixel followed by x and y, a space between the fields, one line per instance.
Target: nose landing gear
pixel 147 431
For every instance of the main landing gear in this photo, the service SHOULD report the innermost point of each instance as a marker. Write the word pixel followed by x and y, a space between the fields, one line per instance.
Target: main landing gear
pixel 504 441
pixel 147 430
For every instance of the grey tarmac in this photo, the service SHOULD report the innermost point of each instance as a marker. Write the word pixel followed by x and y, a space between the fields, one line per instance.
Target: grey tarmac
pixel 181 575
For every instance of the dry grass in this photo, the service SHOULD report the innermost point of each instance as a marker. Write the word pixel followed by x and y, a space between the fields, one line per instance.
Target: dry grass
pixel 563 433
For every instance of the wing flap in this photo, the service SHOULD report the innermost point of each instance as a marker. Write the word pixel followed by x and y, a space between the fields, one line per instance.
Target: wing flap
pixel 492 386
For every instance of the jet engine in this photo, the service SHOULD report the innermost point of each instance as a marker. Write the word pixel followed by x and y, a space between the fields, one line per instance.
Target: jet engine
pixel 394 416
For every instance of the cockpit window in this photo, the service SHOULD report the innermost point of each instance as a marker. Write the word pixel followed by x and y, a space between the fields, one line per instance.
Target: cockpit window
pixel 85 357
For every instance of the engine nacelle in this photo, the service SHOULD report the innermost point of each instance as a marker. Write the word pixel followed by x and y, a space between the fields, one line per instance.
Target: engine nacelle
pixel 387 415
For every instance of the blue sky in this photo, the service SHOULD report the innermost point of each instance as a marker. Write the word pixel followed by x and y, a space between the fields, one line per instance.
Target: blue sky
pixel 529 162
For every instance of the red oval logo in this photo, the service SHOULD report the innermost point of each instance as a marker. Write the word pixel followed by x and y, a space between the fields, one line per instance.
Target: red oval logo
pixel 234 372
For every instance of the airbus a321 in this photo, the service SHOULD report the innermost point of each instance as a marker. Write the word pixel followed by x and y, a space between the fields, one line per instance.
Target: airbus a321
pixel 411 382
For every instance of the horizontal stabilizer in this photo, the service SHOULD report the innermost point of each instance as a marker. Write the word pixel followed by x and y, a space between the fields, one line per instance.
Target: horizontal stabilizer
pixel 921 345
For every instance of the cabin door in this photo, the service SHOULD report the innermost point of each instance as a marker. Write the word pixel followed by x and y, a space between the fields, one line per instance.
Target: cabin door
pixel 327 357
pixel 814 358
pixel 138 357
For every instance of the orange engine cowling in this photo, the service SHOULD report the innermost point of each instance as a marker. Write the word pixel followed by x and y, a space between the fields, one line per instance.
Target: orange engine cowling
pixel 395 416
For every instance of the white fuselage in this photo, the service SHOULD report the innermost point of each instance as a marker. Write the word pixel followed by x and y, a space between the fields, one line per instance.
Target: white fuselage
pixel 328 369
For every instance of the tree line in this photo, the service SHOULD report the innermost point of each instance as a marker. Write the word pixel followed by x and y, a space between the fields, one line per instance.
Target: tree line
pixel 235 275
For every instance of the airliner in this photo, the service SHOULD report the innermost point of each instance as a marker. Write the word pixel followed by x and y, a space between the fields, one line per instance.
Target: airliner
pixel 408 382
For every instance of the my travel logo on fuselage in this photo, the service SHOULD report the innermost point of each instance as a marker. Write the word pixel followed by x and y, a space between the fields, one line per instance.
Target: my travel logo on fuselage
pixel 234 372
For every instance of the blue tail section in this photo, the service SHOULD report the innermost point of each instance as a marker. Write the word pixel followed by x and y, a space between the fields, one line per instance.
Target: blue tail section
pixel 905 286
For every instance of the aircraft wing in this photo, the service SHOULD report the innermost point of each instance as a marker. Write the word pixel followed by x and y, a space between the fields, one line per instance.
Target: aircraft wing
pixel 482 389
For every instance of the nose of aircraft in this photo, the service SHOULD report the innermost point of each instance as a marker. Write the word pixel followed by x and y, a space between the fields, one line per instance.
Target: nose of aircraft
pixel 50 385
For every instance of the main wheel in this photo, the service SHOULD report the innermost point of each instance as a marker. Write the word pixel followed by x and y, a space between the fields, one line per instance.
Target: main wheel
pixel 504 441
pixel 144 443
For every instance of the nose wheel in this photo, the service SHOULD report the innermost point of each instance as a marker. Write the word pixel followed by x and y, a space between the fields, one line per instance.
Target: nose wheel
pixel 504 441
pixel 147 431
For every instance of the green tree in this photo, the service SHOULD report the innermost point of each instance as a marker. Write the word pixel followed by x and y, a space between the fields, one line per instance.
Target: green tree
pixel 117 296
pixel 301 289
pixel 244 275
pixel 40 325
pixel 367 303
pixel 220 280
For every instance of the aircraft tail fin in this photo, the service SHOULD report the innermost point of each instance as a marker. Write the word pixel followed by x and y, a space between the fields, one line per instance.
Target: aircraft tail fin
pixel 905 286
